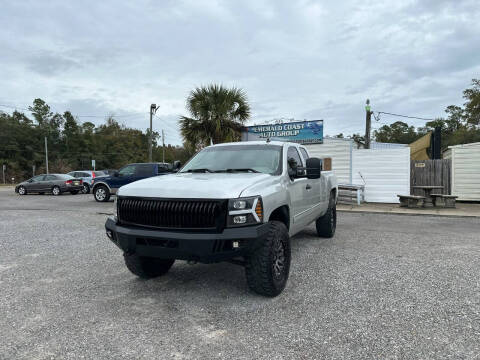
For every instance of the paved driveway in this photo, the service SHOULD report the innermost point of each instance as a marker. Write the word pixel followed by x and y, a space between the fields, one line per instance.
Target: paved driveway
pixel 387 286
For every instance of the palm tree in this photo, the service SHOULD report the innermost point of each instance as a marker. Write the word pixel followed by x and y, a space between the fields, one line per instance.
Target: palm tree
pixel 217 115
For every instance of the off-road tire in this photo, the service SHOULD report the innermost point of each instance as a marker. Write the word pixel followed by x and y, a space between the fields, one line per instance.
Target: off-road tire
pixel 327 224
pixel 74 192
pixel 96 193
pixel 260 271
pixel 147 267
pixel 23 192
pixel 86 189
pixel 56 191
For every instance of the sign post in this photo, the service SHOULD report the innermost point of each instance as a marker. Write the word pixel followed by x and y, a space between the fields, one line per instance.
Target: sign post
pixel 93 165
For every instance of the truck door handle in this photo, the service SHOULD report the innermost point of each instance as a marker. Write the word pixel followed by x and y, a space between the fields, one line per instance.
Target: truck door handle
pixel 308 187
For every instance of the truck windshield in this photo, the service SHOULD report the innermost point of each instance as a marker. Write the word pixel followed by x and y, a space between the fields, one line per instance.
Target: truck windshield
pixel 237 158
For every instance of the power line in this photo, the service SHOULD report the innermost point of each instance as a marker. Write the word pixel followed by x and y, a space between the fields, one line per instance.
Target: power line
pixel 113 115
pixel 404 116
pixel 86 116
pixel 67 152
pixel 166 123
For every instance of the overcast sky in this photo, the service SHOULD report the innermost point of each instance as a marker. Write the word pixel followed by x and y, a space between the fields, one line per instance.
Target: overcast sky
pixel 295 59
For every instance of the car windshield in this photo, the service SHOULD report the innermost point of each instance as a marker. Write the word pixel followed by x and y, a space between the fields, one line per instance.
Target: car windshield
pixel 237 158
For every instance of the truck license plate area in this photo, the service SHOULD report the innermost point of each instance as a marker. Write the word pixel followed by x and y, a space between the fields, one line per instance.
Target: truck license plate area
pixel 166 243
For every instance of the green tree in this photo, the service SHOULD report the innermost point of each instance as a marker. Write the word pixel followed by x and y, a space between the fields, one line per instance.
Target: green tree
pixel 41 112
pixel 217 115
pixel 398 132
pixel 472 106
pixel 358 138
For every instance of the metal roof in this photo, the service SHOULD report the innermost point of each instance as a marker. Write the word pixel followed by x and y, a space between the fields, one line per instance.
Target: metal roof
pixel 464 145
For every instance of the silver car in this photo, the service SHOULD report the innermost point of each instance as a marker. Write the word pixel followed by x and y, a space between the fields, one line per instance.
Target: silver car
pixel 87 176
pixel 55 184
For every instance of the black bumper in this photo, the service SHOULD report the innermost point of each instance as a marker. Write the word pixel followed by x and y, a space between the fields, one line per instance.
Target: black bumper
pixel 72 188
pixel 196 246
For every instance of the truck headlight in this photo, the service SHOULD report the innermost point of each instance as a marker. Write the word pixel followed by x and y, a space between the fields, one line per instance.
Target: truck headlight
pixel 245 211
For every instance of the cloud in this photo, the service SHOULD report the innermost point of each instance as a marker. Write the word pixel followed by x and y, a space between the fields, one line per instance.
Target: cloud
pixel 301 59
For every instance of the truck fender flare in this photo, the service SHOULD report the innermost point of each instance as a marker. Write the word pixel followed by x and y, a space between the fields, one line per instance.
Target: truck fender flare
pixel 282 214
pixel 101 183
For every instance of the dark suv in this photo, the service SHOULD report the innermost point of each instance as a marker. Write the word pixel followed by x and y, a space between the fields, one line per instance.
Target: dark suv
pixel 105 186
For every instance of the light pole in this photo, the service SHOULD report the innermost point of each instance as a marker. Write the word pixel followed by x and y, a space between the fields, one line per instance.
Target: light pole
pixel 46 154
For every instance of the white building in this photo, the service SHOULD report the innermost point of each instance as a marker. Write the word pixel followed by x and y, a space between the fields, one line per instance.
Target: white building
pixel 465 175
pixel 384 169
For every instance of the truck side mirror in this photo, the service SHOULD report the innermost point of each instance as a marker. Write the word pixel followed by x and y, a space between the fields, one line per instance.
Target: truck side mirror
pixel 314 168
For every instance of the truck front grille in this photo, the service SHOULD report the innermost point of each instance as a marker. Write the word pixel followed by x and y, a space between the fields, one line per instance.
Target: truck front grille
pixel 173 213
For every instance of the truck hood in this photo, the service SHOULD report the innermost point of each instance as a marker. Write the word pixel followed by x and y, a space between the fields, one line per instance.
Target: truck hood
pixel 194 185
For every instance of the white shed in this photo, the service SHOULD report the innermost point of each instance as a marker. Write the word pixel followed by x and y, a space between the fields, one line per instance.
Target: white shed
pixel 340 150
pixel 384 169
pixel 385 173
pixel 465 170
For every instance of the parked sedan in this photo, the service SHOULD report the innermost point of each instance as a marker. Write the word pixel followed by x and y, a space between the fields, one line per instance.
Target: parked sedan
pixel 87 176
pixel 50 183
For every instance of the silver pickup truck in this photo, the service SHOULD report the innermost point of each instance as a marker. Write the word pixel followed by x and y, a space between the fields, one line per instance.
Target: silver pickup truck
pixel 237 202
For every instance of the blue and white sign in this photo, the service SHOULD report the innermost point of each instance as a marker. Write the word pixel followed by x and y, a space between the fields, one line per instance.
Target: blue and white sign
pixel 303 132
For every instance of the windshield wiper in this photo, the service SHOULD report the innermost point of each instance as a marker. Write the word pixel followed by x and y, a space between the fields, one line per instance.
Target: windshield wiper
pixel 200 170
pixel 243 169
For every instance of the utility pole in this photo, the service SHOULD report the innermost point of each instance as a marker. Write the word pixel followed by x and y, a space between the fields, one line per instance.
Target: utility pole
pixel 153 110
pixel 46 154
pixel 368 124
pixel 436 143
pixel 163 150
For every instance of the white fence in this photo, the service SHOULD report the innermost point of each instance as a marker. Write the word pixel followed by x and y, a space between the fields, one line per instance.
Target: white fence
pixel 385 172
pixel 385 168
pixel 340 151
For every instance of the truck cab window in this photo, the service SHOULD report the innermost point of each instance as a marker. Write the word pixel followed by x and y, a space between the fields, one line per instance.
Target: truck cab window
pixel 128 170
pixel 162 169
pixel 304 153
pixel 144 170
pixel 293 158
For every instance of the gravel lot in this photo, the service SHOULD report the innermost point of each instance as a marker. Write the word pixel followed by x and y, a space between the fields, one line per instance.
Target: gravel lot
pixel 387 286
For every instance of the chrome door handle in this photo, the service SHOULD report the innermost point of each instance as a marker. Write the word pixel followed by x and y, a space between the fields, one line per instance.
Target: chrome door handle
pixel 308 187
